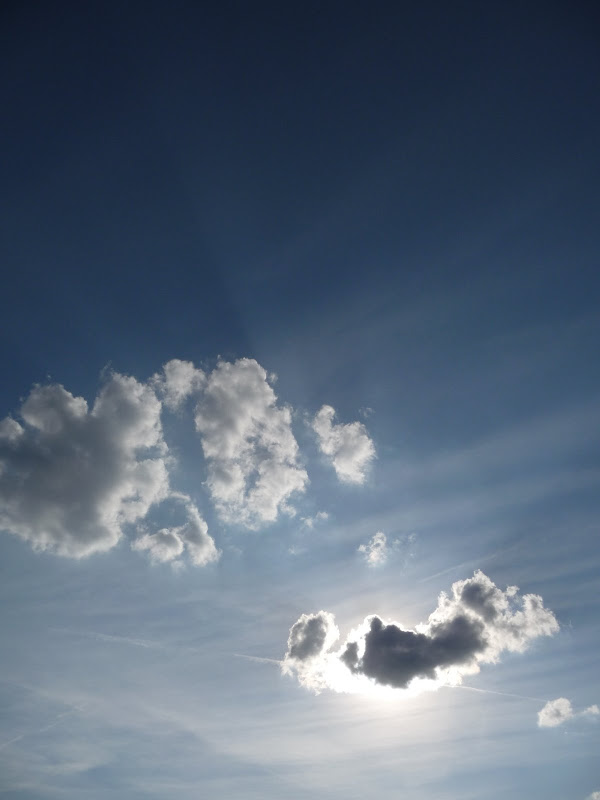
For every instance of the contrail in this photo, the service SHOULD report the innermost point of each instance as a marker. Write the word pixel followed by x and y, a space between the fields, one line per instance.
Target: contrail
pixel 56 721
pixel 502 694
pixel 261 659
pixel 107 637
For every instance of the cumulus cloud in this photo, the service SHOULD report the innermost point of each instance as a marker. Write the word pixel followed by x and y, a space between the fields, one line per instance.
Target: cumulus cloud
pixel 473 625
pixel 556 712
pixel 168 544
pixel 247 439
pixel 375 550
pixel 347 446
pixel 71 477
pixel 378 549
pixel 178 381
pixel 594 796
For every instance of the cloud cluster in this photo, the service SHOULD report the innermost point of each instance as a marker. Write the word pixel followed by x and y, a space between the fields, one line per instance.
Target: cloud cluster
pixel 473 625
pixel 556 712
pixel 71 477
pixel 247 439
pixel 347 446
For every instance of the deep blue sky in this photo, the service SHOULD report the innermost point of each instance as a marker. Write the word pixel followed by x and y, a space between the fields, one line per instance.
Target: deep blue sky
pixel 183 175
pixel 394 207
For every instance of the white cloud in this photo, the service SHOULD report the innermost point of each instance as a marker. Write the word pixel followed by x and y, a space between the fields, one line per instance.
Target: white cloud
pixel 310 522
pixel 178 381
pixel 168 544
pixel 556 712
pixel 248 442
pixel 594 796
pixel 472 626
pixel 376 550
pixel 70 478
pixel 347 446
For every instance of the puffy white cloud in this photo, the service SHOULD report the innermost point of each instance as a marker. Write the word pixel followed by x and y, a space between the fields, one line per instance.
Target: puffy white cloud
pixel 164 545
pixel 71 477
pixel 178 381
pixel 347 446
pixel 375 550
pixel 594 796
pixel 555 712
pixel 168 544
pixel 248 442
pixel 558 711
pixel 473 625
pixel 378 549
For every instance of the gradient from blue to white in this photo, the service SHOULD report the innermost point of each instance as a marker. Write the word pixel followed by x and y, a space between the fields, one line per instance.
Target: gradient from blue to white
pixel 392 209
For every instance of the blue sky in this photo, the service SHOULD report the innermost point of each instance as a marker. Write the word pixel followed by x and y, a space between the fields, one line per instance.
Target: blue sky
pixel 299 329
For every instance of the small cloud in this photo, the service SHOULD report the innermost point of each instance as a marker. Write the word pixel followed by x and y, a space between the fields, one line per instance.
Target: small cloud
pixel 593 796
pixel 376 550
pixel 178 381
pixel 379 549
pixel 167 544
pixel 310 522
pixel 247 439
pixel 557 712
pixel 347 446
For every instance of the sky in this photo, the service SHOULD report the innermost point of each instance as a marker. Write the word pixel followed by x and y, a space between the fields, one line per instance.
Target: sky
pixel 299 454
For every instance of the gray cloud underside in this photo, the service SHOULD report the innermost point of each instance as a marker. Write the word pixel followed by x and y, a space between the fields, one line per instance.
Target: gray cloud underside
pixel 71 478
pixel 473 625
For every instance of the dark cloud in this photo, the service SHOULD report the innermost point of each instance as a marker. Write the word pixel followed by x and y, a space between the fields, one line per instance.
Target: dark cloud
pixel 472 626
pixel 307 637
pixel 394 657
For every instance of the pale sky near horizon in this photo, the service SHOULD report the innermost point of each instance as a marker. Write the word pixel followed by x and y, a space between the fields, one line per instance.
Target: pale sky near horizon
pixel 299 458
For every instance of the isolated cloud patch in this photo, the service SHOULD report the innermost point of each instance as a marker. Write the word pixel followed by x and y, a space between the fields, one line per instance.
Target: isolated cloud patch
pixel 168 544
pixel 375 550
pixel 247 440
pixel 473 625
pixel 71 477
pixel 557 712
pixel 178 381
pixel 378 549
pixel 347 446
